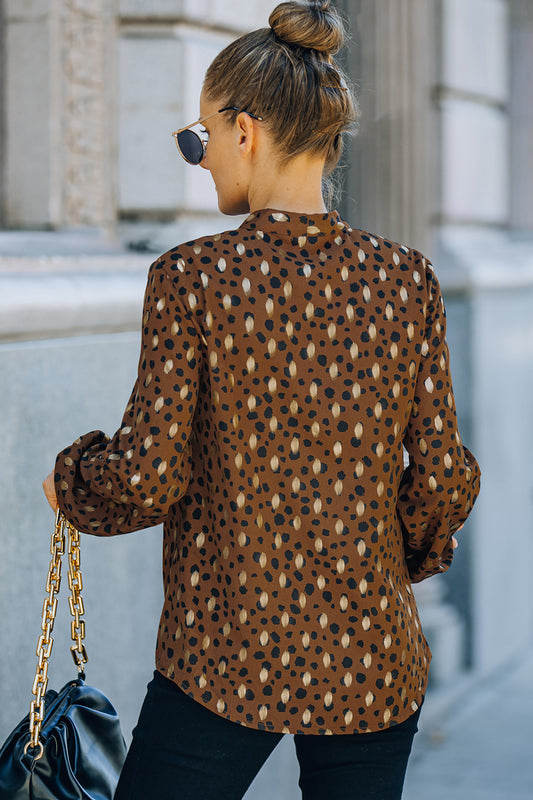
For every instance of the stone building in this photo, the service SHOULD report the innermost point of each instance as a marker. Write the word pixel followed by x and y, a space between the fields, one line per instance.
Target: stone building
pixel 91 185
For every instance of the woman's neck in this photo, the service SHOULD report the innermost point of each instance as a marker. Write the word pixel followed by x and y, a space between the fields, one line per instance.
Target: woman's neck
pixel 293 186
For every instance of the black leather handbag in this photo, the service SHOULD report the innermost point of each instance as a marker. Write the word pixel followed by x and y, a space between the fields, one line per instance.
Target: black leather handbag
pixel 70 746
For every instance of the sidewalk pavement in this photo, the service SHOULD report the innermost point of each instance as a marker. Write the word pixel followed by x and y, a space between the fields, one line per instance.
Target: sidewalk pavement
pixel 481 747
pixel 477 746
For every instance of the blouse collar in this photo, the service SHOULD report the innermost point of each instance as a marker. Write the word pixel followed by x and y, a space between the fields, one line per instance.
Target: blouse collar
pixel 293 224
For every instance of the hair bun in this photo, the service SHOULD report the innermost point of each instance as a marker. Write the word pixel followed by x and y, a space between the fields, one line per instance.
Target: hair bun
pixel 314 25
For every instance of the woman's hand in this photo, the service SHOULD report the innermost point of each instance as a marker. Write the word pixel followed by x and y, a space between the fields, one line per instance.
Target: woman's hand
pixel 50 491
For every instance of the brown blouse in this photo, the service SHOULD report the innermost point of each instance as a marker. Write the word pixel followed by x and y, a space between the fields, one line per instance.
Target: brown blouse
pixel 285 366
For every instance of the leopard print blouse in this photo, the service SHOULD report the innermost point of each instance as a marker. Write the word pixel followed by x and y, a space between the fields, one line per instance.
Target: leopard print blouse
pixel 286 368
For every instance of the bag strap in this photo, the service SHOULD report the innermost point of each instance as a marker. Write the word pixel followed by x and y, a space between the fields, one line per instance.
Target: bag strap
pixel 64 535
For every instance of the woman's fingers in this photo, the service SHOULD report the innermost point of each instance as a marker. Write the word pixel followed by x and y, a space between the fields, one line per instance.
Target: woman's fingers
pixel 50 491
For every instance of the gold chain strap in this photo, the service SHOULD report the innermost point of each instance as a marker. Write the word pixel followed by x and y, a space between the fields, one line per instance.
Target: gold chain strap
pixel 63 533
pixel 75 601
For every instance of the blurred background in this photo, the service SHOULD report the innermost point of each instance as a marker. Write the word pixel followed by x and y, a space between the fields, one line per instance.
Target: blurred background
pixel 92 189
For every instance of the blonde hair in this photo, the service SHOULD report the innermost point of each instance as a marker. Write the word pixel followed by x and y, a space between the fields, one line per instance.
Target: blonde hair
pixel 286 74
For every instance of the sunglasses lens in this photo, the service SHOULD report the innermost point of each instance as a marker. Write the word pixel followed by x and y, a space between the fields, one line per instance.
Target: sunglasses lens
pixel 191 147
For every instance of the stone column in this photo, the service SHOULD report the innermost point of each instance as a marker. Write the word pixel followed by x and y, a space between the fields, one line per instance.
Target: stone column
pixel 470 98
pixel 164 49
pixel 521 113
pixel 59 113
pixel 390 61
pixel 2 116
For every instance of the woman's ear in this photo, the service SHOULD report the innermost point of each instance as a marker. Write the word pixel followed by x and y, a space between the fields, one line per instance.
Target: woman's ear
pixel 246 133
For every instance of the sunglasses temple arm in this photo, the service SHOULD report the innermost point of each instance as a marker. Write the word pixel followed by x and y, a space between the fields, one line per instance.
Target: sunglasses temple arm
pixel 198 121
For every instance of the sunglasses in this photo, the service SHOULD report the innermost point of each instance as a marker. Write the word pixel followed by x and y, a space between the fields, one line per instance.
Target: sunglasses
pixel 191 147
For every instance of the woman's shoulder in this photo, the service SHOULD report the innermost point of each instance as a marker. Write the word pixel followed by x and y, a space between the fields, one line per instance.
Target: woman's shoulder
pixel 195 262
pixel 377 243
pixel 393 259
pixel 199 254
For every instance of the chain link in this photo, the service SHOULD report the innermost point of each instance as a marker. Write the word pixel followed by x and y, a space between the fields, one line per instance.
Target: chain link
pixel 75 601
pixel 64 534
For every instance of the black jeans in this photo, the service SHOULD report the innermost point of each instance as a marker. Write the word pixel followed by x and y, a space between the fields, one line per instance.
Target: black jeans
pixel 183 751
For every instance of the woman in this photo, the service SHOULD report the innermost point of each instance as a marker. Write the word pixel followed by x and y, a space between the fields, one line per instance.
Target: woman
pixel 285 366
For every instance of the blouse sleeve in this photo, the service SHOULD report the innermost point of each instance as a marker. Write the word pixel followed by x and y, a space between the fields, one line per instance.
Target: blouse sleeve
pixel 439 487
pixel 111 486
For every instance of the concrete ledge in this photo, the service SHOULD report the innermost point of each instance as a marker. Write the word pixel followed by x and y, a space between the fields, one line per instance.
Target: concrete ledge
pixel 483 259
pixel 48 297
